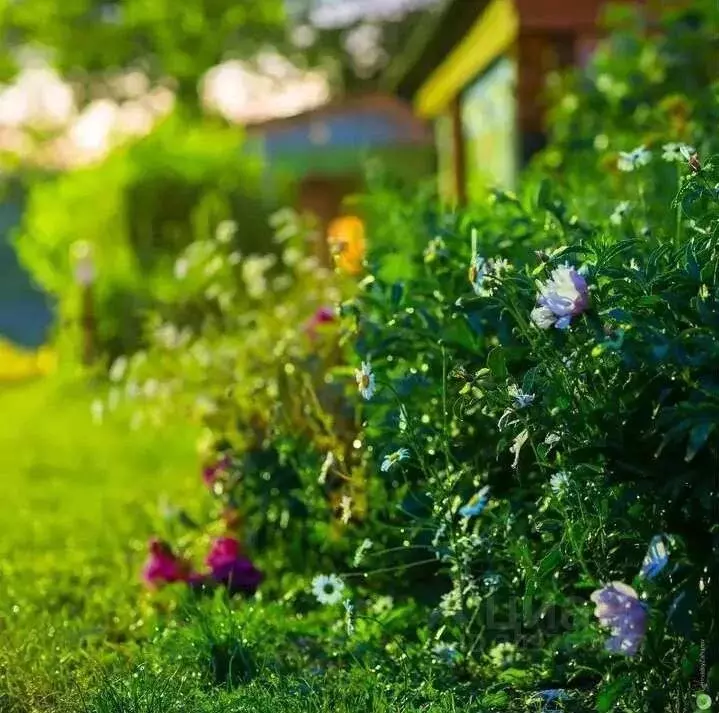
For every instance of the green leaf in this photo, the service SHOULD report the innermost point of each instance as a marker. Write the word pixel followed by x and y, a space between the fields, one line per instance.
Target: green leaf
pixel 611 693
pixel 697 438
pixel 497 363
pixel 550 563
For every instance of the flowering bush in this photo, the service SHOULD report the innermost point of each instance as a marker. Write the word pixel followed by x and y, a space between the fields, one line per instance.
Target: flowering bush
pixel 505 433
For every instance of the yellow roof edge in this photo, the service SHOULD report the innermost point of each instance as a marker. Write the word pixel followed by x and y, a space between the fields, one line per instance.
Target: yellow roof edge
pixel 493 33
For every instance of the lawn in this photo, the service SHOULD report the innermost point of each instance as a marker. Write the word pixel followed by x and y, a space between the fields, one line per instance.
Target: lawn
pixel 79 632
pixel 78 502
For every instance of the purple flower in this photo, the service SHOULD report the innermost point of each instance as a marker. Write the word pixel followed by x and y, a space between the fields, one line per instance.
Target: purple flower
pixel 618 607
pixel 563 296
pixel 231 567
pixel 163 566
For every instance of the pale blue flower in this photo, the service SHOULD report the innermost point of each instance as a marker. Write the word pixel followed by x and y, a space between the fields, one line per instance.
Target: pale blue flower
pixel 476 504
pixel 392 459
pixel 656 558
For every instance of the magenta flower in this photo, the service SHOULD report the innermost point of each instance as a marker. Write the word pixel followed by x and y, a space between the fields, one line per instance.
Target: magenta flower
pixel 563 296
pixel 324 315
pixel 618 607
pixel 163 566
pixel 232 568
pixel 212 473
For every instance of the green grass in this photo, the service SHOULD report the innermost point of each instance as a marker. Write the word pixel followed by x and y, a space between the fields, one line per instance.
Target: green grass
pixel 78 503
pixel 78 632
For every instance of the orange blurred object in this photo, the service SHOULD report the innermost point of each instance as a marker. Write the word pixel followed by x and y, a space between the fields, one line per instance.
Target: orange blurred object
pixel 346 238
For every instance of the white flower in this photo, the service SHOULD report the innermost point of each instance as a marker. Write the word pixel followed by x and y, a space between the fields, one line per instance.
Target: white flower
pixel 563 296
pixel 484 274
pixel 516 446
pixel 629 161
pixel 392 459
pixel 543 317
pixel 365 381
pixel 329 461
pixel 620 211
pixel 365 545
pixel 559 481
pixel 552 438
pixel 677 153
pixel 328 588
pixel 521 400
pixel 503 654
pixel 383 604
pixel 479 269
pixel 451 603
pixel 346 508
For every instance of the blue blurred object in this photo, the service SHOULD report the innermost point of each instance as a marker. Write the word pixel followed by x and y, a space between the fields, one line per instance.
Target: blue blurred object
pixel 25 312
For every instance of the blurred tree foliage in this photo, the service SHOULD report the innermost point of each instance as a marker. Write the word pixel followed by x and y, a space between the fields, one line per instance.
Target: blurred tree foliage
pixel 180 40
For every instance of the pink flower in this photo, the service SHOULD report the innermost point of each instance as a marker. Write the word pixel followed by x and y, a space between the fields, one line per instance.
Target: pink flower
pixel 163 566
pixel 212 473
pixel 232 568
pixel 324 315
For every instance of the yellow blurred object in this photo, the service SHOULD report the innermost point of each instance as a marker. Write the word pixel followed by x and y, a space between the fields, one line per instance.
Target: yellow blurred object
pixel 18 364
pixel 346 238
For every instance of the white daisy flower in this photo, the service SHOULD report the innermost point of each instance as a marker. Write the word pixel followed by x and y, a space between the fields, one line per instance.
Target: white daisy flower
pixel 559 481
pixel 328 588
pixel 382 604
pixel 503 654
pixel 636 158
pixel 365 381
pixel 677 152
pixel 392 459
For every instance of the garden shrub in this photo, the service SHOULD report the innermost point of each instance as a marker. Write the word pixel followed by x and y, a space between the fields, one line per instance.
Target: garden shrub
pixel 509 426
pixel 138 208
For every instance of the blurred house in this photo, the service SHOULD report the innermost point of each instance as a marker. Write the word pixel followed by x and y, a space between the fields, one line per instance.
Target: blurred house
pixel 477 70
pixel 324 151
